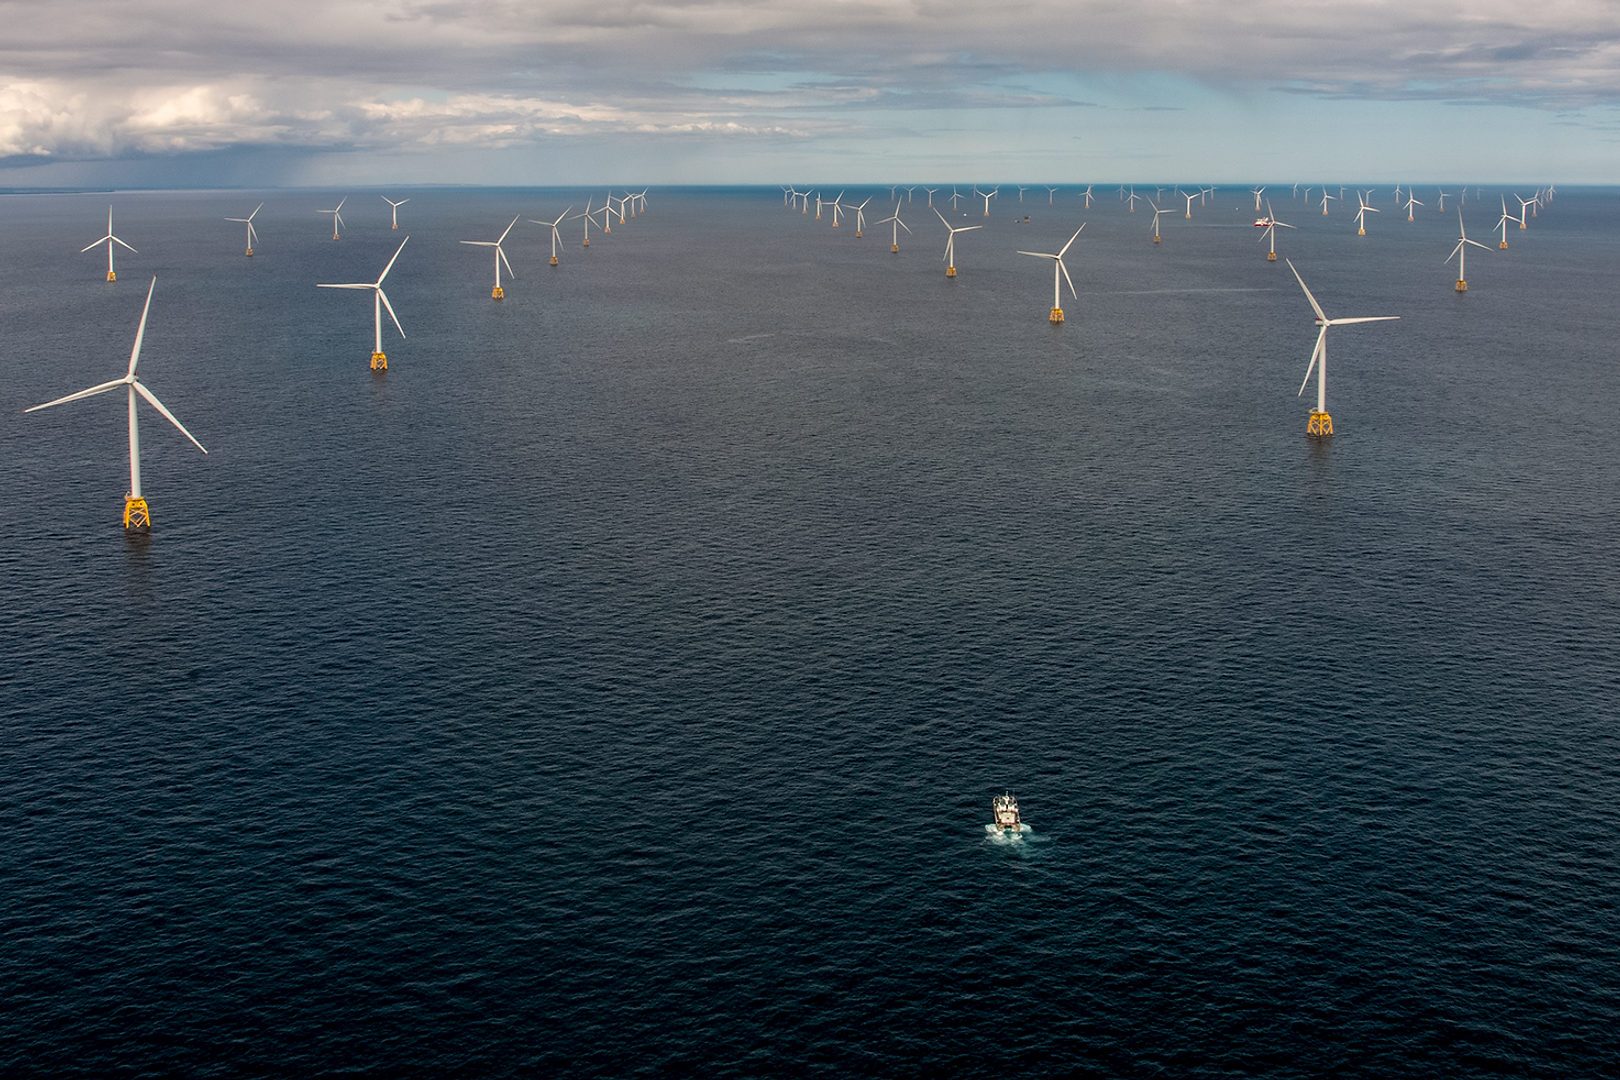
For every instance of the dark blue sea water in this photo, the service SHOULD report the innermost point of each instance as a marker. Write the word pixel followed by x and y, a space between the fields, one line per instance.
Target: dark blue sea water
pixel 618 685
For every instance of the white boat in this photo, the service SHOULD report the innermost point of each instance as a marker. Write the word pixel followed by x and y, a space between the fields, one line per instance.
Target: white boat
pixel 1004 809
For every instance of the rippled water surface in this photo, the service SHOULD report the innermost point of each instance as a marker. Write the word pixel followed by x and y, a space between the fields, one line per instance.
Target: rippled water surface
pixel 618 685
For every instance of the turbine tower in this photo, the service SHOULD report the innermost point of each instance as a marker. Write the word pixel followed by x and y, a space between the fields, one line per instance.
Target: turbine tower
pixel 1057 265
pixel 379 362
pixel 556 237
pixel 1461 253
pixel 137 515
pixel 337 219
pixel 894 246
pixel 950 242
pixel 1321 424
pixel 396 206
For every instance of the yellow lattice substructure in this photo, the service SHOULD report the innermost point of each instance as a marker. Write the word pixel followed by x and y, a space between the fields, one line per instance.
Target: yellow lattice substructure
pixel 379 362
pixel 950 271
pixel 111 276
pixel 137 515
pixel 1321 424
pixel 498 293
pixel 1057 315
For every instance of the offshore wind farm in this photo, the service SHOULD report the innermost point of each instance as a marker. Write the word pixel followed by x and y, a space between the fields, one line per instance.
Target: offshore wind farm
pixel 612 680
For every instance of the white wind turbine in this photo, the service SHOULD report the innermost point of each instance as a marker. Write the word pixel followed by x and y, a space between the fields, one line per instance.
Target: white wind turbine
pixel 607 212
pixel 860 217
pixel 337 219
pixel 1443 196
pixel 1131 199
pixel 248 221
pixel 500 257
pixel 1156 212
pixel 1021 190
pixel 1321 423
pixel 379 362
pixel 1088 195
pixel 1503 222
pixel 894 246
pixel 1256 193
pixel 955 196
pixel 109 240
pixel 1461 252
pixel 1271 232
pixel 1325 198
pixel 1361 215
pixel 1523 204
pixel 1189 199
pixel 838 208
pixel 909 190
pixel 396 206
pixel 556 237
pixel 1051 194
pixel 1057 265
pixel 930 191
pixel 591 220
pixel 986 195
pixel 1411 201
pixel 950 243
pixel 137 515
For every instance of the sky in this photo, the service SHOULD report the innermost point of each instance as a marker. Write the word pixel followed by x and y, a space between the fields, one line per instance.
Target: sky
pixel 182 93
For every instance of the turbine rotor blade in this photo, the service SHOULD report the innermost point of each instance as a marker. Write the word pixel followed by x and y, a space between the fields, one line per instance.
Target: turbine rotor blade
pixel 115 240
pixel 390 265
pixel 1365 318
pixel 1064 250
pixel 158 405
pixel 140 332
pixel 1067 278
pixel 390 307
pixel 1315 352
pixel 100 388
pixel 500 253
pixel 1314 305
pixel 508 229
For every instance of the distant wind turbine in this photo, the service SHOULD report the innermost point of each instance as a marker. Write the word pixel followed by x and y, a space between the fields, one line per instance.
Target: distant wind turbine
pixel 1156 212
pixel 109 240
pixel 894 246
pixel 379 362
pixel 500 257
pixel 396 205
pixel 986 196
pixel 1461 253
pixel 950 243
pixel 1361 219
pixel 1321 424
pixel 337 219
pixel 1503 222
pixel 556 237
pixel 1057 265
pixel 248 221
pixel 1411 201
pixel 1271 224
pixel 137 515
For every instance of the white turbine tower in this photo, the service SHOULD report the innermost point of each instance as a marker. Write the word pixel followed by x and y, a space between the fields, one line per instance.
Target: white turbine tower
pixel 1057 265
pixel 1411 201
pixel 930 191
pixel 950 242
pixel 1321 423
pixel 860 217
pixel 1088 195
pixel 500 257
pixel 1461 252
pixel 1051 194
pixel 1130 200
pixel 109 240
pixel 137 515
pixel 1523 205
pixel 379 362
pixel 1189 199
pixel 1444 195
pixel 985 195
pixel 556 237
pixel 837 208
pixel 894 246
pixel 1271 224
pixel 591 220
pixel 1325 198
pixel 337 219
pixel 1256 193
pixel 396 206
pixel 248 221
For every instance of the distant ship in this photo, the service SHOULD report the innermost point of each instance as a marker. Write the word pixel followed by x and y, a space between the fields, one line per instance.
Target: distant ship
pixel 1004 809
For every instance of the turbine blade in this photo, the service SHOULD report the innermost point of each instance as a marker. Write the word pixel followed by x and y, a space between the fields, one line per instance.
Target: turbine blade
pixel 140 332
pixel 1314 305
pixel 115 240
pixel 500 253
pixel 1064 250
pixel 508 229
pixel 1067 278
pixel 390 265
pixel 100 388
pixel 108 237
pixel 359 285
pixel 158 405
pixel 1365 318
pixel 390 308
pixel 1315 352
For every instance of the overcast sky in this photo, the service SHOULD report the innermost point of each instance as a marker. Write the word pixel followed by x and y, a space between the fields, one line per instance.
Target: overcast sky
pixel 182 92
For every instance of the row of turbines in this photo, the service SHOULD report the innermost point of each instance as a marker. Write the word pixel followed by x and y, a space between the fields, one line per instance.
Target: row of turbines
pixel 137 511
pixel 1320 423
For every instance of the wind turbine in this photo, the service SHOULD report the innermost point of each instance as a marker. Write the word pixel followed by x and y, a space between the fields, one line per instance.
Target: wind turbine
pixel 909 190
pixel 1461 251
pixel 894 246
pixel 379 362
pixel 1088 195
pixel 1256 193
pixel 500 257
pixel 1271 232
pixel 950 243
pixel 1325 198
pixel 1057 265
pixel 1411 201
pixel 1021 190
pixel 337 219
pixel 1361 215
pixel 1156 213
pixel 1443 195
pixel 930 191
pixel 137 515
pixel 1189 199
pixel 556 237
pixel 248 221
pixel 1131 199
pixel 1051 194
pixel 955 196
pixel 860 216
pixel 607 212
pixel 1523 204
pixel 837 208
pixel 986 196
pixel 590 220
pixel 1321 423
pixel 396 206
pixel 109 240
pixel 1506 217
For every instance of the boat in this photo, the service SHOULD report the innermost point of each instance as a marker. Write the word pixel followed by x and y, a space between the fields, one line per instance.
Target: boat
pixel 1004 810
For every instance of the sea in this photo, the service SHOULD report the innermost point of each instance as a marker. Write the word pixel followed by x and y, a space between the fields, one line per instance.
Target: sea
pixel 618 685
